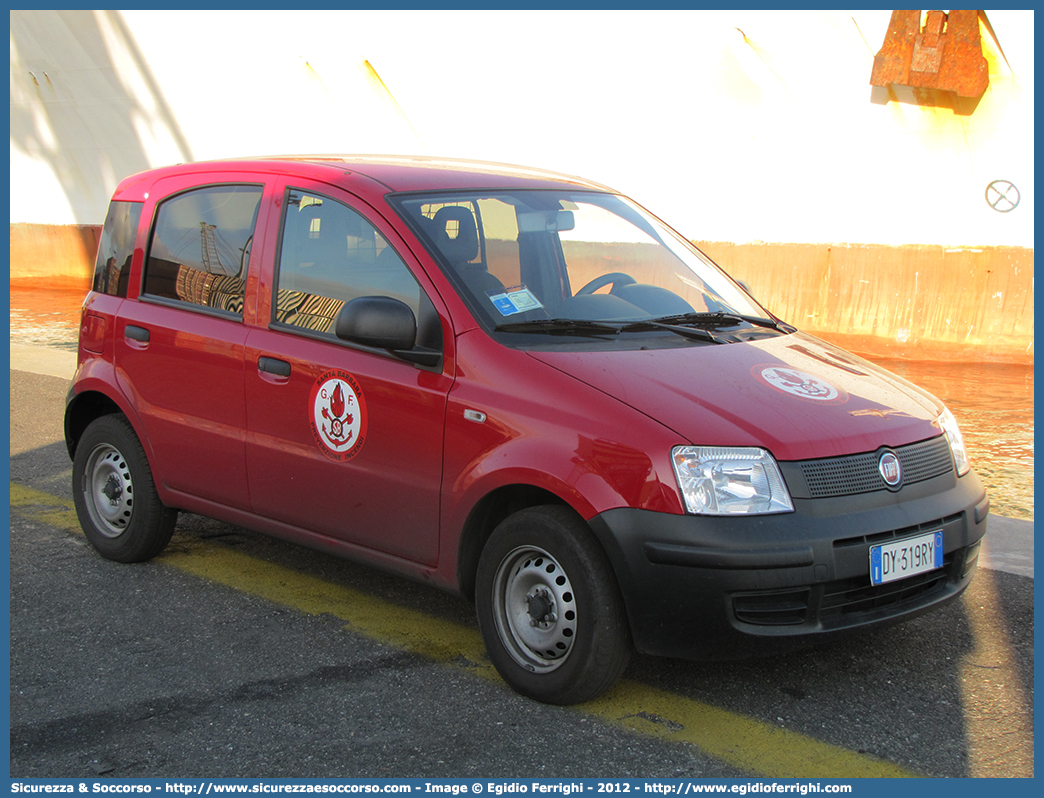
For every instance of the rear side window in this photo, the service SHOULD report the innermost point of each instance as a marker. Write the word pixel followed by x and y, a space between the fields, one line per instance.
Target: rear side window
pixel 116 248
pixel 200 247
pixel 329 255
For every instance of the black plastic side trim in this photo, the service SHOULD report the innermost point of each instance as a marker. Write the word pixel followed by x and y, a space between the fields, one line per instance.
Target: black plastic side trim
pixel 982 509
pixel 698 557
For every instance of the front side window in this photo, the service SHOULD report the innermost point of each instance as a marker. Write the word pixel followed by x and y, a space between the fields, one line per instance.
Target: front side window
pixel 116 248
pixel 329 255
pixel 550 258
pixel 200 247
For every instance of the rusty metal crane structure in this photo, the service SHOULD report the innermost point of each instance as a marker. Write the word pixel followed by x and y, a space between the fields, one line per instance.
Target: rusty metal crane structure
pixel 944 54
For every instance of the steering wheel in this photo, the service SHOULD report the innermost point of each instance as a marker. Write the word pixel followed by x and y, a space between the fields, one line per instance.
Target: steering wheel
pixel 616 278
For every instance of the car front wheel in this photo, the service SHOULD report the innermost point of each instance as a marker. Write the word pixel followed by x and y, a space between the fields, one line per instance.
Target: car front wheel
pixel 549 608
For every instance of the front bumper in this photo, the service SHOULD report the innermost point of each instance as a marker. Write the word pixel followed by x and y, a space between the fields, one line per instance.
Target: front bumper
pixel 702 587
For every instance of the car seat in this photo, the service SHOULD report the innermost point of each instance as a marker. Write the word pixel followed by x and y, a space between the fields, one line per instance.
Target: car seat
pixel 456 237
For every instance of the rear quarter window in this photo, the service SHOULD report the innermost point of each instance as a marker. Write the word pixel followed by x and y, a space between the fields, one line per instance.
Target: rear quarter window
pixel 200 247
pixel 116 248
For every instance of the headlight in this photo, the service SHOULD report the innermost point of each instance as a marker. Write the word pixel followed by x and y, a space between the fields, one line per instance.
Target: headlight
pixel 953 435
pixel 727 481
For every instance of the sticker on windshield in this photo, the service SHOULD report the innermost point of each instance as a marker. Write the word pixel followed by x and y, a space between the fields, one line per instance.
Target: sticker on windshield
pixel 799 383
pixel 338 415
pixel 517 299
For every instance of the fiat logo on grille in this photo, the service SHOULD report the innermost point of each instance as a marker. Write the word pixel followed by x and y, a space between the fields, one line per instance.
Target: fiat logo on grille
pixel 891 472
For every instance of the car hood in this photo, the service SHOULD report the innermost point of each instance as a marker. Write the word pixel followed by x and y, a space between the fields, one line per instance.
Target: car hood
pixel 797 396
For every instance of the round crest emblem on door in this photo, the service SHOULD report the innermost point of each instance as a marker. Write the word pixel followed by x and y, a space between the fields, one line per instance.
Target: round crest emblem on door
pixel 338 415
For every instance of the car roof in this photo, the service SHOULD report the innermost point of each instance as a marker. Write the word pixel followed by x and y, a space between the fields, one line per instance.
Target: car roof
pixel 394 173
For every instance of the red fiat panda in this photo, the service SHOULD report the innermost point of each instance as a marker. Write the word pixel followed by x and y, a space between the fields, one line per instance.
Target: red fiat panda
pixel 515 385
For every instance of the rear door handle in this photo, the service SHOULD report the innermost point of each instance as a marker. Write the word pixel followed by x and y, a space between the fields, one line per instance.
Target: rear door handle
pixel 272 365
pixel 136 333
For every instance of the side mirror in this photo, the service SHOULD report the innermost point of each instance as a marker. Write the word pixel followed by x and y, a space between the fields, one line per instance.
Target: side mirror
pixel 377 321
pixel 383 323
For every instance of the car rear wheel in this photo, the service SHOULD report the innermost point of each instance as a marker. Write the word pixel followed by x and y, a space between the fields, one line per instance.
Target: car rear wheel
pixel 115 495
pixel 549 608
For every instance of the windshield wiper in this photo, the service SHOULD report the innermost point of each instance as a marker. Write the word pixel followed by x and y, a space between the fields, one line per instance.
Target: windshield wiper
pixel 564 326
pixel 589 327
pixel 722 318
pixel 695 333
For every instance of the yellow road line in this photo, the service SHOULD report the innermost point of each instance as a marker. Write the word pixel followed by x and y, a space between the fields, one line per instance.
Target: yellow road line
pixel 45 507
pixel 743 742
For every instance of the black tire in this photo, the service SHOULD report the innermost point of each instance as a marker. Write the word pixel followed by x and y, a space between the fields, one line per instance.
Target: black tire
pixel 549 609
pixel 115 495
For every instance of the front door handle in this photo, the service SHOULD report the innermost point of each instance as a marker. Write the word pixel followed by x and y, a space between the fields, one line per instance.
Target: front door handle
pixel 272 365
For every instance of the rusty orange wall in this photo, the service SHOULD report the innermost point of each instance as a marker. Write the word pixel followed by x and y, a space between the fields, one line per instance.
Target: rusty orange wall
pixel 913 302
pixel 59 256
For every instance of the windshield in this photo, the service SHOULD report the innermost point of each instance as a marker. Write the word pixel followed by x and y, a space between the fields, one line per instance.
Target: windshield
pixel 533 256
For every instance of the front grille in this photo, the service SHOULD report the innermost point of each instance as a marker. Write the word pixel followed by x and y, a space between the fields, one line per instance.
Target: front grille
pixel 836 604
pixel 849 601
pixel 858 473
pixel 773 609
pixel 895 534
pixel 854 596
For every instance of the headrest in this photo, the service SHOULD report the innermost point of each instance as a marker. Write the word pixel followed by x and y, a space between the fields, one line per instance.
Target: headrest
pixel 355 225
pixel 455 233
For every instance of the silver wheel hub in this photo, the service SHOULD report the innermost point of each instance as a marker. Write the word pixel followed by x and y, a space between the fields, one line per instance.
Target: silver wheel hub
pixel 535 609
pixel 108 490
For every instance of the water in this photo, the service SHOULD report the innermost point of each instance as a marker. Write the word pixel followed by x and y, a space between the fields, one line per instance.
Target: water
pixel 993 403
pixel 46 317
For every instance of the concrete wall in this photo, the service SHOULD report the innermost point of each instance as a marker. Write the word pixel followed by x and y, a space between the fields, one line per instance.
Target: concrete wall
pixel 915 302
pixel 59 256
pixel 731 125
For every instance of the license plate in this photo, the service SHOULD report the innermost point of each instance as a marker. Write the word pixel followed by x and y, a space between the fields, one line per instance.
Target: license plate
pixel 907 557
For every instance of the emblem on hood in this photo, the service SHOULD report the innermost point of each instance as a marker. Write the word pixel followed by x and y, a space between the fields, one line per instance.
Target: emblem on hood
pixel 799 384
